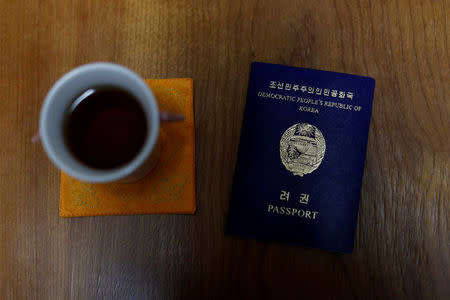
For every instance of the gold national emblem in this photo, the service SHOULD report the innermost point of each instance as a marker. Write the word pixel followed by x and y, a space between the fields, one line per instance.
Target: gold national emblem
pixel 302 148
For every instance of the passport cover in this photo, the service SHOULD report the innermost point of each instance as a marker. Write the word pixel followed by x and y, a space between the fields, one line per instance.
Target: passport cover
pixel 301 157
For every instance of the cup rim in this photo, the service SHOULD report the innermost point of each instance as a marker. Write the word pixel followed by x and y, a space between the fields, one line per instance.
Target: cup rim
pixel 82 171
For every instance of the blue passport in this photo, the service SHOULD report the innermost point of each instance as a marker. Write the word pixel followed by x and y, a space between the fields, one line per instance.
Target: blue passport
pixel 301 157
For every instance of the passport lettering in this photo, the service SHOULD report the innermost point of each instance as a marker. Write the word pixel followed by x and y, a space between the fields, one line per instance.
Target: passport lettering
pixel 288 211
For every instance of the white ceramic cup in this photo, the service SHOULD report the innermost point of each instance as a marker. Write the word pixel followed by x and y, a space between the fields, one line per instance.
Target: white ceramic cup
pixel 55 110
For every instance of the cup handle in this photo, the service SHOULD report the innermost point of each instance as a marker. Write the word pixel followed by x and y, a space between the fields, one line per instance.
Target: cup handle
pixel 36 137
pixel 165 116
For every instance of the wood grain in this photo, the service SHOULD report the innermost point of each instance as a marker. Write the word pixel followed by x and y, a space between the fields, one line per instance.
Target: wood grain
pixel 402 242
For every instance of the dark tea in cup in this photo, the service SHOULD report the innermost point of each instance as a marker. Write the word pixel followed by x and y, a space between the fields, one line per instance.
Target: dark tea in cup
pixel 105 127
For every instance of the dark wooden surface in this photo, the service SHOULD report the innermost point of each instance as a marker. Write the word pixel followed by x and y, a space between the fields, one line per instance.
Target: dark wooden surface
pixel 402 241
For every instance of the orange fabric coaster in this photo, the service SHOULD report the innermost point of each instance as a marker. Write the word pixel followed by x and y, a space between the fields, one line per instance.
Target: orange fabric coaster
pixel 169 188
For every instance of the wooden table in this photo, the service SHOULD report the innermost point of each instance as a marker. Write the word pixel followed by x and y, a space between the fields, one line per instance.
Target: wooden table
pixel 402 241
